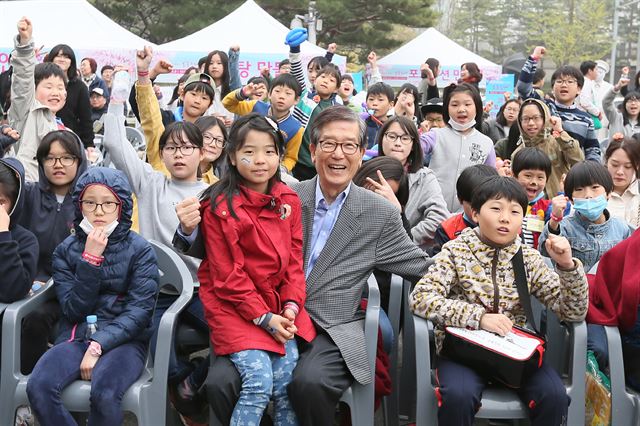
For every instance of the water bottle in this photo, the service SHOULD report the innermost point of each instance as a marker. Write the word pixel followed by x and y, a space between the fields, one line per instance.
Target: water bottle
pixel 92 326
pixel 35 287
pixel 120 87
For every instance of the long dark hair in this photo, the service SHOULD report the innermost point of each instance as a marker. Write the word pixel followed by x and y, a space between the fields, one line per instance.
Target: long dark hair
pixel 416 156
pixel 475 76
pixel 206 122
pixel 413 90
pixel 630 146
pixel 500 118
pixel 228 186
pixel 512 141
pixel 224 58
pixel 391 168
pixel 72 72
pixel 630 96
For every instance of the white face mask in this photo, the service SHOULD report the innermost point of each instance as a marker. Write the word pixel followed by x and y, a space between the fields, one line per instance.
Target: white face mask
pixel 88 227
pixel 461 127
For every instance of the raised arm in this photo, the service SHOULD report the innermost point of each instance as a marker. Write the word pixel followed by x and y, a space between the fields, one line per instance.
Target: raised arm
pixel 123 154
pixel 234 69
pixel 23 88
pixel 525 81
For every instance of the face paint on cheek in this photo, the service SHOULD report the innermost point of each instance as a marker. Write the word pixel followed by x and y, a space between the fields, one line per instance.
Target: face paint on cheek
pixel 245 160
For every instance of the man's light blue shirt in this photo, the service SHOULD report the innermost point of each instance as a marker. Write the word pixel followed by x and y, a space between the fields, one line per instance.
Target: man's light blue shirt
pixel 324 219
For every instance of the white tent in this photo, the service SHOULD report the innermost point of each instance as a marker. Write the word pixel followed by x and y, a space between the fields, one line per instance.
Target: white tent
pixel 432 43
pixel 73 22
pixel 250 27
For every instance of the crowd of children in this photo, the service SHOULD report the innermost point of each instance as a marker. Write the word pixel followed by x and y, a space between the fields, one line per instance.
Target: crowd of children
pixel 479 194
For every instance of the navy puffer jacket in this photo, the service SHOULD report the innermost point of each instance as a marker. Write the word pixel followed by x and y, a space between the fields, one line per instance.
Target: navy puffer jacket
pixel 122 291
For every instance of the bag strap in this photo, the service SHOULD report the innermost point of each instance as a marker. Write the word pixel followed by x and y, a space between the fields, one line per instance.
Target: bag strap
pixel 523 289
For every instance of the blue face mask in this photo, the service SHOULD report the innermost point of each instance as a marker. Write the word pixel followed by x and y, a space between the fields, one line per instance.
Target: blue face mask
pixel 591 208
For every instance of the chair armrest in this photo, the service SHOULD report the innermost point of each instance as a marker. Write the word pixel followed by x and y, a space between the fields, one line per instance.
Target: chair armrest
pixel 395 305
pixel 12 327
pixel 622 404
pixel 427 404
pixel 371 321
pixel 166 334
pixel 577 370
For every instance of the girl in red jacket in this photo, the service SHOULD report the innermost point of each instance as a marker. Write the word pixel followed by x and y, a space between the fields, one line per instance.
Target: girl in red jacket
pixel 252 282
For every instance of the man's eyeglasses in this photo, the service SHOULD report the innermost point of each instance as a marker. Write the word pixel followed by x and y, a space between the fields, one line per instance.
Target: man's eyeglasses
pixel 348 148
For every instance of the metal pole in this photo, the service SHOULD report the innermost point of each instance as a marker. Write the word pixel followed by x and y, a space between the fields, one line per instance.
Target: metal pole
pixel 311 21
pixel 614 46
pixel 638 47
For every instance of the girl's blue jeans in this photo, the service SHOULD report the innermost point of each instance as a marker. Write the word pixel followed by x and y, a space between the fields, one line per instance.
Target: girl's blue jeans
pixel 264 374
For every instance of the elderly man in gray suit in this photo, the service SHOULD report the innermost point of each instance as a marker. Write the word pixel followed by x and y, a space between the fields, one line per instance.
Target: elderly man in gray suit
pixel 348 232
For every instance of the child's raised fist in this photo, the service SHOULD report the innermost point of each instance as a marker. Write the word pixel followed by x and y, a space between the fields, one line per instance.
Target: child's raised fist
pixel 558 205
pixel 559 250
pixel 372 58
pixel 25 30
pixel 556 123
pixel 332 48
pixel 538 52
pixel 162 67
pixel 143 59
pixel 235 48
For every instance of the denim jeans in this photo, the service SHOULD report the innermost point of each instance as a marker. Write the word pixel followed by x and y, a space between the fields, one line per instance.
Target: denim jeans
pixel 263 374
pixel 112 375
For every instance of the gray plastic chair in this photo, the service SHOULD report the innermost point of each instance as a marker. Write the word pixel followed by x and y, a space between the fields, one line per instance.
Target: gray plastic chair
pixel 625 403
pixel 361 398
pixel 499 402
pixel 147 397
pixel 390 402
pixel 407 386
pixel 13 384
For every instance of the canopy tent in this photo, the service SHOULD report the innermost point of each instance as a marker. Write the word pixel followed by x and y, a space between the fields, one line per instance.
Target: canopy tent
pixel 249 26
pixel 403 64
pixel 73 22
pixel 89 32
pixel 260 37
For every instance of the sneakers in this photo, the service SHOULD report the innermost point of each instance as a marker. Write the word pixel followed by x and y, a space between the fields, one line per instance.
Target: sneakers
pixel 24 417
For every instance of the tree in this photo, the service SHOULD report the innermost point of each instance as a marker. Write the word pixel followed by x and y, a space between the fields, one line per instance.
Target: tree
pixel 356 25
pixel 571 30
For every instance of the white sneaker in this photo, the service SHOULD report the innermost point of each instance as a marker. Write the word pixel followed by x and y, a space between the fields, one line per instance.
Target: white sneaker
pixel 24 416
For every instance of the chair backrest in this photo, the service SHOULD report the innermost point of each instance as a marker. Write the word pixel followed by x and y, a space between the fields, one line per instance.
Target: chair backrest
pixel 173 271
pixel 136 137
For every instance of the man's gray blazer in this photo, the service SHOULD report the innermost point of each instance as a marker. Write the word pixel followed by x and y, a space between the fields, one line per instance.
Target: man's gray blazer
pixel 368 234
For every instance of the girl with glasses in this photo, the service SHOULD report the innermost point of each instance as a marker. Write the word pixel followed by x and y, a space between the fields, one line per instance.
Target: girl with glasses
pixel 425 208
pixel 105 270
